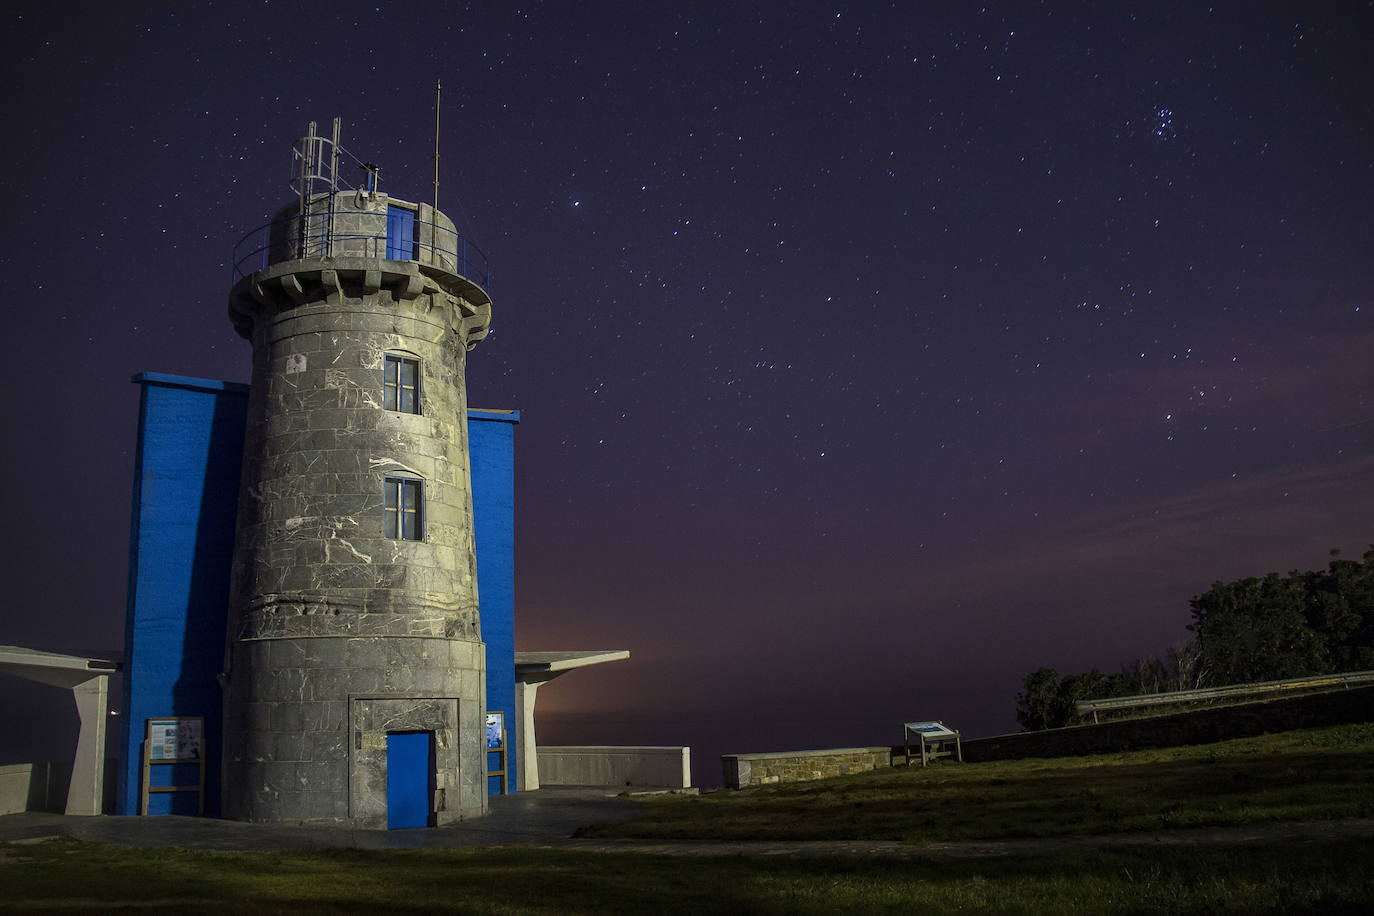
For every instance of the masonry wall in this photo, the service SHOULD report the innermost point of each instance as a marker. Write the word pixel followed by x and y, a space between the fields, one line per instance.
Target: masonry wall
pixel 744 770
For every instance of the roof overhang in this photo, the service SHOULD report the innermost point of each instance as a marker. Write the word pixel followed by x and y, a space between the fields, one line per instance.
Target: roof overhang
pixel 537 667
pixel 52 667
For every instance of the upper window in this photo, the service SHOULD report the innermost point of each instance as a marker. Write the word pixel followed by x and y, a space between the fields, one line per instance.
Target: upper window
pixel 402 516
pixel 401 384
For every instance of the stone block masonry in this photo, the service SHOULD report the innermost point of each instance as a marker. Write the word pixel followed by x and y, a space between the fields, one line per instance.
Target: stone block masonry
pixel 744 770
pixel 339 632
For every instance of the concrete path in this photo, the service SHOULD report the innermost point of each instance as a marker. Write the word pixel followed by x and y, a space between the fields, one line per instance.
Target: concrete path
pixel 523 818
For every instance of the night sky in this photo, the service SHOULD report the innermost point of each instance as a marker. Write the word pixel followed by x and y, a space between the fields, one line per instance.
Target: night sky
pixel 870 355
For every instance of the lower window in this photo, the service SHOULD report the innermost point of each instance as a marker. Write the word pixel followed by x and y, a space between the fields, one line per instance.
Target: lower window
pixel 402 516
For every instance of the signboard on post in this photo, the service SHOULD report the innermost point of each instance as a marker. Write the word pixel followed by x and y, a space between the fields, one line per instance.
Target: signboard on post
pixel 935 740
pixel 496 730
pixel 495 733
pixel 174 740
pixel 931 729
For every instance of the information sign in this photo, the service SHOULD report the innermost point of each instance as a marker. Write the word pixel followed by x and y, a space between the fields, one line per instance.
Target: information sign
pixel 495 730
pixel 931 729
pixel 934 739
pixel 174 739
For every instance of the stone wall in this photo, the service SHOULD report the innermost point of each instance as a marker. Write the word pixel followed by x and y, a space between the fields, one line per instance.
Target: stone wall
pixel 1197 727
pixel 338 633
pixel 744 770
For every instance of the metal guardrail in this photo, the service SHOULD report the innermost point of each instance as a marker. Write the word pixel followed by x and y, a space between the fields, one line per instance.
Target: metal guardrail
pixel 308 236
pixel 1261 688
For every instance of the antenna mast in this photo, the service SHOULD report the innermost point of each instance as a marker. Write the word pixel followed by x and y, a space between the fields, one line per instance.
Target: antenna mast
pixel 438 91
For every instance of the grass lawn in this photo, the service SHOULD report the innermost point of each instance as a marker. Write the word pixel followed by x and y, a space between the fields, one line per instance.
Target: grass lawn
pixel 1313 774
pixel 61 876
pixel 1305 775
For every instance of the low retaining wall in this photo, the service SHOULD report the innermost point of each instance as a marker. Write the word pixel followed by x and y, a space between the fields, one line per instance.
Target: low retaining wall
pixel 656 767
pixel 744 770
pixel 34 787
pixel 1200 726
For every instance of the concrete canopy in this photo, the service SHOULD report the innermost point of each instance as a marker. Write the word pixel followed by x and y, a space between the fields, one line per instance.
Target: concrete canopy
pixel 538 667
pixel 531 670
pixel 88 679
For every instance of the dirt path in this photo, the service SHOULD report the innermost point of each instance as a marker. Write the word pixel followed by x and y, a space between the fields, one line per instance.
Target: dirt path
pixel 1303 832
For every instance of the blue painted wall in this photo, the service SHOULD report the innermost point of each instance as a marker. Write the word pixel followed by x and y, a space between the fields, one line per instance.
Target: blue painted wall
pixel 491 447
pixel 186 484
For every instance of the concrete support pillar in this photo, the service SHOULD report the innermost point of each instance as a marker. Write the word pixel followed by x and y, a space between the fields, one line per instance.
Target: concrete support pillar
pixel 525 696
pixel 88 679
pixel 86 794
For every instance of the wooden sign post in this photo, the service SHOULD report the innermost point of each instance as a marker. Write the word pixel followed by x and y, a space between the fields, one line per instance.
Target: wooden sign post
pixel 174 740
pixel 934 739
pixel 496 744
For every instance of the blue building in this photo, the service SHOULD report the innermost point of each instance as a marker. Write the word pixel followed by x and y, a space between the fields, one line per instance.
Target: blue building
pixel 186 490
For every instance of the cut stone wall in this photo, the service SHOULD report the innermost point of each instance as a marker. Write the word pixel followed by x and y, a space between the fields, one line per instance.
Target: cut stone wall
pixel 744 770
pixel 338 634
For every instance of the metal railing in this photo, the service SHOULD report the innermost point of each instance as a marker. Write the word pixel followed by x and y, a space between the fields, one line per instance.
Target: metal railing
pixel 1261 688
pixel 311 235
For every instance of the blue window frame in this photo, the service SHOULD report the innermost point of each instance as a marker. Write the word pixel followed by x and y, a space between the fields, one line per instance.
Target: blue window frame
pixel 401 384
pixel 400 235
pixel 402 513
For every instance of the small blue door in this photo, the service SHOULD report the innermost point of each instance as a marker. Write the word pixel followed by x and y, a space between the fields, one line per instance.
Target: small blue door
pixel 409 779
pixel 400 234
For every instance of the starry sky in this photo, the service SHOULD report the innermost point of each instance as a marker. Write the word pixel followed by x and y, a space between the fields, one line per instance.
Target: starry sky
pixel 871 355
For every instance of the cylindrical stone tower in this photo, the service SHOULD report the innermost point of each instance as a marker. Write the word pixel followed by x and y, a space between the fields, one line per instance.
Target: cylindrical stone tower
pixel 354 676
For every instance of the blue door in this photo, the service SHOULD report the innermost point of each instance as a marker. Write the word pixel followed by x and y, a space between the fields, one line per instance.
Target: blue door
pixel 400 234
pixel 409 782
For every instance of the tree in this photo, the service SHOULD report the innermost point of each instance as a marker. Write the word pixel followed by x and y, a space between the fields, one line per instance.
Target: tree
pixel 1257 630
pixel 1038 704
pixel 1047 701
pixel 1288 626
pixel 1343 611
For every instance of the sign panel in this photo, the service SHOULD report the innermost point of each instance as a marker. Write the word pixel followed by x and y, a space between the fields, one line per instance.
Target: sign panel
pixel 175 739
pixel 930 729
pixel 496 724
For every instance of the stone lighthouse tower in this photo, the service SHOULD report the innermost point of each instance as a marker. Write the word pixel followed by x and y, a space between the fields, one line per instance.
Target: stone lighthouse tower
pixel 354 669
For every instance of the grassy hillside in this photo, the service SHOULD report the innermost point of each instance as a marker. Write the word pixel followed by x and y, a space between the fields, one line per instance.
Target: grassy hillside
pixel 1315 774
pixel 1309 775
pixel 63 877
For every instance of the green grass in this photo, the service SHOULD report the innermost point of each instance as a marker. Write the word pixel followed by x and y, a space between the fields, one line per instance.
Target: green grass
pixel 1313 774
pixel 1306 775
pixel 62 876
